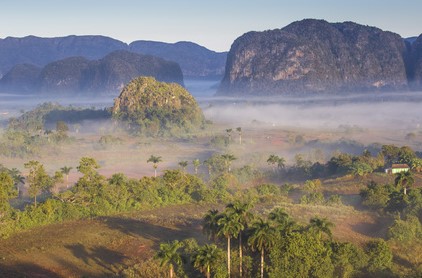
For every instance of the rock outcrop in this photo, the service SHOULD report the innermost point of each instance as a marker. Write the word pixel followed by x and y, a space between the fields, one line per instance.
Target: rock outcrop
pixel 416 63
pixel 311 56
pixel 155 107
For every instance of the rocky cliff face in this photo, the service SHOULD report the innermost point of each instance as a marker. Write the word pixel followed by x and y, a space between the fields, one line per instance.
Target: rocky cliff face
pixel 77 74
pixel 315 56
pixel 416 65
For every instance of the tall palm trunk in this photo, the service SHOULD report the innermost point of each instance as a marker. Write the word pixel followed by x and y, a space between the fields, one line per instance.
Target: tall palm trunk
pixel 35 200
pixel 228 255
pixel 171 270
pixel 208 272
pixel 240 254
pixel 262 263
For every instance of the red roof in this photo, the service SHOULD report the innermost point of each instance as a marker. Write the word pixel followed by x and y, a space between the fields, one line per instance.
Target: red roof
pixel 399 166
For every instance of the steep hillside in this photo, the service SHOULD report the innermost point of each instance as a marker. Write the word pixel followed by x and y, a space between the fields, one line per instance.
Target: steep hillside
pixel 156 107
pixel 311 56
pixel 416 58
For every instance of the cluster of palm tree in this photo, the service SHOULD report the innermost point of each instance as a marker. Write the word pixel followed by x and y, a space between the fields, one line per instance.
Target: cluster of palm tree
pixel 239 132
pixel 233 223
pixel 276 161
pixel 237 221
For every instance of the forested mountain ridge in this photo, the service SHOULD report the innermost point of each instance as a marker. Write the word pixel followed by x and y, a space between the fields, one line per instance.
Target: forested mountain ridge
pixel 195 60
pixel 78 74
pixel 311 56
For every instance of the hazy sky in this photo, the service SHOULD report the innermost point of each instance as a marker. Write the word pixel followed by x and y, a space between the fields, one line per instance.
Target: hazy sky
pixel 214 24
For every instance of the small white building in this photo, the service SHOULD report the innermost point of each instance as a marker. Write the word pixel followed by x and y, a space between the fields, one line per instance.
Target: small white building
pixel 397 168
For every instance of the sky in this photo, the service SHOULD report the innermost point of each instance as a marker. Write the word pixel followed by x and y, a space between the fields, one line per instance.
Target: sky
pixel 214 24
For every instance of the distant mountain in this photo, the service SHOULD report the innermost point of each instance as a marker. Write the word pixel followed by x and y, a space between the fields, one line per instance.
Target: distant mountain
pixel 78 74
pixel 21 78
pixel 311 56
pixel 410 40
pixel 195 60
pixel 41 51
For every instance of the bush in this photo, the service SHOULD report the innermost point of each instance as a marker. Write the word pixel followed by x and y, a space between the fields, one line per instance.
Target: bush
pixel 405 230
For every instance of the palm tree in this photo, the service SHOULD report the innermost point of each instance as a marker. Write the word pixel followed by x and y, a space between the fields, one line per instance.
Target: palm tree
pixel 280 163
pixel 228 158
pixel 229 226
pixel 263 236
pixel 168 255
pixel 183 164
pixel 320 225
pixel 206 257
pixel 66 170
pixel 404 179
pixel 196 163
pixel 239 131
pixel 229 133
pixel 273 160
pixel 155 160
pixel 242 211
pixel 208 163
pixel 16 176
pixel 279 216
pixel 210 225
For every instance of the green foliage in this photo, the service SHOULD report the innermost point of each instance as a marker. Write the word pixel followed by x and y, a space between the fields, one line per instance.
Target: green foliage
pixel 380 257
pixel 246 174
pixel 268 189
pixel 7 192
pixel 215 164
pixel 334 200
pixel 38 179
pixel 169 256
pixel 405 230
pixel 20 144
pixel 348 259
pixel 376 196
pixel 146 269
pixel 312 186
pixel 314 198
pixel 207 258
pixel 157 108
pixel 300 255
pixel 51 113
